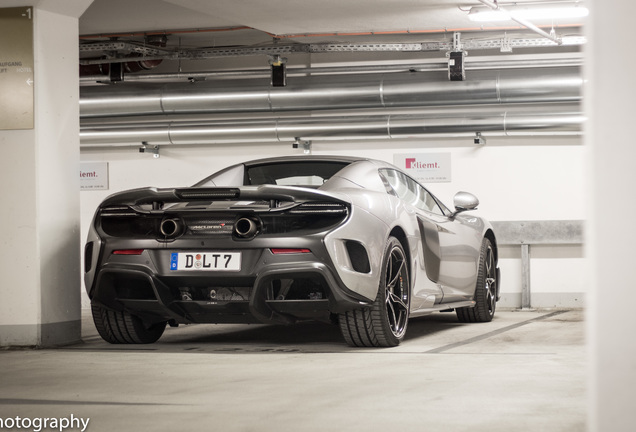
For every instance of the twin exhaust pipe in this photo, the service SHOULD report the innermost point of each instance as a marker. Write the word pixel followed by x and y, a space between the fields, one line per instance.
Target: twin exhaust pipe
pixel 244 228
pixel 171 228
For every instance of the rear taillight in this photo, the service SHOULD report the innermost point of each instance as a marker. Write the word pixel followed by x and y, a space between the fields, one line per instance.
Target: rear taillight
pixel 320 208
pixel 128 252
pixel 125 222
pixel 304 219
pixel 282 251
pixel 117 211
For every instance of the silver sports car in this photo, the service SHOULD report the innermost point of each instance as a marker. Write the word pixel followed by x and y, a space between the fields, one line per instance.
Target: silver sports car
pixel 347 240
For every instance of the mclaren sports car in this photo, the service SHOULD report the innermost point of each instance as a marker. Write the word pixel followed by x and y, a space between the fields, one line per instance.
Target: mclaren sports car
pixel 347 240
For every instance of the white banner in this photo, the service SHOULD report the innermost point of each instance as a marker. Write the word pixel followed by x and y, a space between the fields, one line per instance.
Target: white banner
pixel 93 175
pixel 425 167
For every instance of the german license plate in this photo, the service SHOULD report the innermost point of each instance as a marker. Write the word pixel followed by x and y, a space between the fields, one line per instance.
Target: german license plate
pixel 206 261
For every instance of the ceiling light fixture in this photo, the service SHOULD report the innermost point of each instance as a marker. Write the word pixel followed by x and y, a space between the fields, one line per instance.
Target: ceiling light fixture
pixel 542 12
pixel 514 16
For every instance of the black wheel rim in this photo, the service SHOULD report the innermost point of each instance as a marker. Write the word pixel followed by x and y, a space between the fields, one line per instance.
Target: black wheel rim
pixel 397 295
pixel 490 281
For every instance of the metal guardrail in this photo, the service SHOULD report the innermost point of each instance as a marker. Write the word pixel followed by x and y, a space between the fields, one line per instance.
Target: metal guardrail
pixel 527 233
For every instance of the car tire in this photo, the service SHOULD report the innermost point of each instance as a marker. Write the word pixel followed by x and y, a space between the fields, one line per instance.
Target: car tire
pixel 120 327
pixel 384 323
pixel 486 289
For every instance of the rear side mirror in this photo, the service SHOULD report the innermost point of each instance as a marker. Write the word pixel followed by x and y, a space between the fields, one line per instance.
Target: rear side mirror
pixel 464 201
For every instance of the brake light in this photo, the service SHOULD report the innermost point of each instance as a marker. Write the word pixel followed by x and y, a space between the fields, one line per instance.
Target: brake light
pixel 280 251
pixel 128 252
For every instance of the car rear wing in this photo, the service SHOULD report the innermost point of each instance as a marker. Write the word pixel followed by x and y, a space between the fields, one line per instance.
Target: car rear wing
pixel 159 197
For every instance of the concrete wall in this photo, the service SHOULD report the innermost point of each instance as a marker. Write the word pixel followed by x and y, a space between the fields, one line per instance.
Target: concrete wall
pixel 39 248
pixel 609 102
pixel 538 178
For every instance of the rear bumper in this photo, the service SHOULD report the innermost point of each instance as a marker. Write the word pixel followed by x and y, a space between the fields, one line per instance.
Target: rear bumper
pixel 269 288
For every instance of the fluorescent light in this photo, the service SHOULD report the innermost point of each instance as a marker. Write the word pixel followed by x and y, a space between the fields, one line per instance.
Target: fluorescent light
pixel 485 14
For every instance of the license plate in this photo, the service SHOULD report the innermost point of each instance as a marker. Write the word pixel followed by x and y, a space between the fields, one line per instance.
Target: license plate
pixel 206 261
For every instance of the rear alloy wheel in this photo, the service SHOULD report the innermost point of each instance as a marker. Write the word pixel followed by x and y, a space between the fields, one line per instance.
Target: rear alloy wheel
pixel 486 289
pixel 118 327
pixel 383 324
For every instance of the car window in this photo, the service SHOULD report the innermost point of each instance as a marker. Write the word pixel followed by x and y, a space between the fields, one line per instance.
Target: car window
pixel 292 173
pixel 410 191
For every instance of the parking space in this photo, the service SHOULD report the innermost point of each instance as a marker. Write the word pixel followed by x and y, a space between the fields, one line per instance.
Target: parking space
pixel 523 371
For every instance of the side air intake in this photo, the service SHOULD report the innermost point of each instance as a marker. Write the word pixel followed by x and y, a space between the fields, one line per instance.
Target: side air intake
pixel 358 256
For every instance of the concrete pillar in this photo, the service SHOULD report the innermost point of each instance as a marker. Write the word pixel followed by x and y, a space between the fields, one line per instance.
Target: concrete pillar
pixel 39 189
pixel 609 98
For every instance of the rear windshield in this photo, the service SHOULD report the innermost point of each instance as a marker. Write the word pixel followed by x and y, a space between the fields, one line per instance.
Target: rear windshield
pixel 312 174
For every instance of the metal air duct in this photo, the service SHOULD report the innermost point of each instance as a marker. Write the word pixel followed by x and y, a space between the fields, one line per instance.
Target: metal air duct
pixel 557 119
pixel 410 89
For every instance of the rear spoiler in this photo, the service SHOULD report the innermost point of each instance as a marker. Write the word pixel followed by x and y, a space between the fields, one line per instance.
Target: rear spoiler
pixel 256 193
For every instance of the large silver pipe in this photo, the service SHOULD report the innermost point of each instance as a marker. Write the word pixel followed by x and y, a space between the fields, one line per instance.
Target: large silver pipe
pixel 409 89
pixel 563 120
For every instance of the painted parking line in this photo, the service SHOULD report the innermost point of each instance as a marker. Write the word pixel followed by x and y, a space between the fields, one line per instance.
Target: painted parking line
pixel 492 333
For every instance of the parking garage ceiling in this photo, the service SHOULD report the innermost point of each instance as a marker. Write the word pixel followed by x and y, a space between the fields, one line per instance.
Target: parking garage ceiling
pixel 196 28
pixel 179 41
pixel 284 18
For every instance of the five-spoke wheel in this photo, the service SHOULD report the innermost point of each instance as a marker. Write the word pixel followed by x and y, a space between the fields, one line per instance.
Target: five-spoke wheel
pixel 383 324
pixel 486 289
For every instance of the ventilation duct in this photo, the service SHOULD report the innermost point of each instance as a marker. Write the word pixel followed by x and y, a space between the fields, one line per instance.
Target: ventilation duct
pixel 557 119
pixel 411 89
pixel 387 106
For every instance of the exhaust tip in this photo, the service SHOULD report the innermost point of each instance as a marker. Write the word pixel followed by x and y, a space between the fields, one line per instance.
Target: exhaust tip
pixel 171 228
pixel 246 227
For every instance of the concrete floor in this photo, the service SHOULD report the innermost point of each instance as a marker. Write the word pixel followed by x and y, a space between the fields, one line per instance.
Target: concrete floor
pixel 525 371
